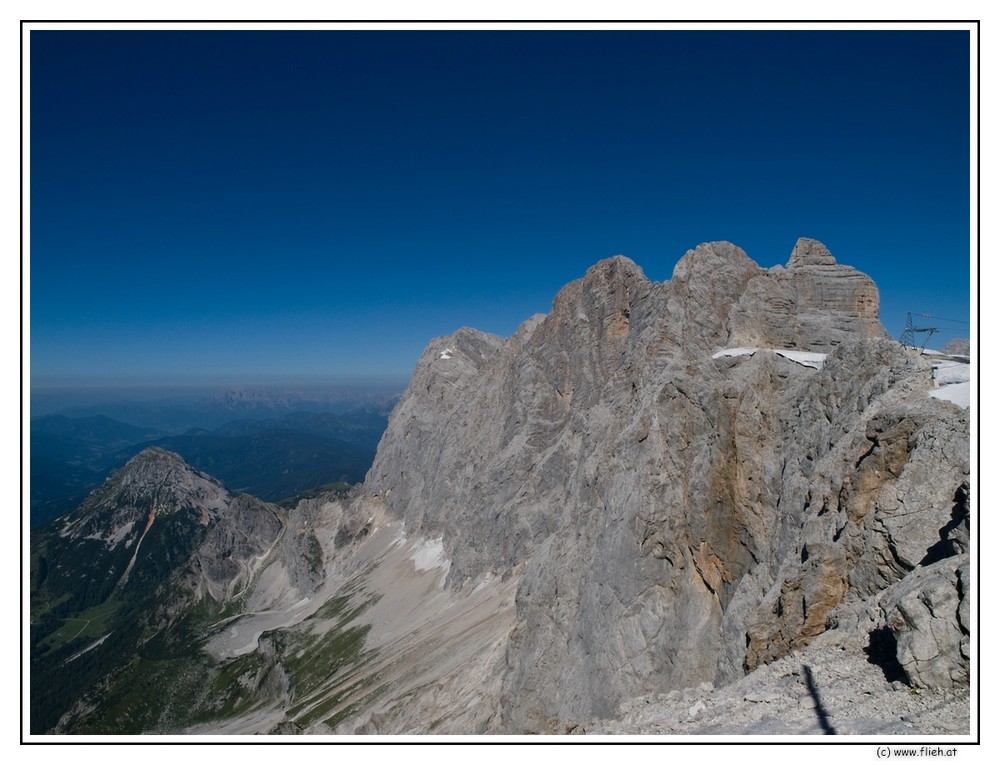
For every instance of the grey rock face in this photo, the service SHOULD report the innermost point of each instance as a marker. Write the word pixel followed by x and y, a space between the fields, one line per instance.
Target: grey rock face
pixel 675 518
pixel 227 558
pixel 706 283
pixel 928 613
pixel 811 304
pixel 809 252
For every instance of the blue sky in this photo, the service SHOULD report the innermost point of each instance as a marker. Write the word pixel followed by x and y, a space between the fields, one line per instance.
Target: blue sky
pixel 230 205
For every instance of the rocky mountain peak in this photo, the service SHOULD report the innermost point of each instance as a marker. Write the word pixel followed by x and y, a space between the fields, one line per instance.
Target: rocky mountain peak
pixel 706 283
pixel 814 304
pixel 610 271
pixel 707 258
pixel 607 286
pixel 809 252
pixel 154 483
pixel 155 458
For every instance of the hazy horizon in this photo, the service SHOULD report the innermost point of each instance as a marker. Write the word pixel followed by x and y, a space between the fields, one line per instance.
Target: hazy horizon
pixel 60 398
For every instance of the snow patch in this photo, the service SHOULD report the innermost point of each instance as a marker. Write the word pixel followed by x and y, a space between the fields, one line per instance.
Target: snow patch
pixel 114 538
pixel 805 358
pixel 951 372
pixel 447 353
pixel 952 381
pixel 429 554
pixel 958 394
pixel 734 352
pixel 121 533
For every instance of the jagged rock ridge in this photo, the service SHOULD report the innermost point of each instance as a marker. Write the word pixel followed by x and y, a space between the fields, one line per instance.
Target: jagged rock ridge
pixel 667 509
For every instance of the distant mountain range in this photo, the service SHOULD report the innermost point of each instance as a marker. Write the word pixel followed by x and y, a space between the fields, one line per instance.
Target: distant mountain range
pixel 177 410
pixel 271 458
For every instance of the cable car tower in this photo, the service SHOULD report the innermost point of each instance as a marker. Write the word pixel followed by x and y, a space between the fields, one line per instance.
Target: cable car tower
pixel 908 336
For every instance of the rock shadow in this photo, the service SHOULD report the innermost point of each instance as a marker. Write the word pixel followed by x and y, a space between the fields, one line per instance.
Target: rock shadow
pixel 954 535
pixel 881 651
pixel 821 713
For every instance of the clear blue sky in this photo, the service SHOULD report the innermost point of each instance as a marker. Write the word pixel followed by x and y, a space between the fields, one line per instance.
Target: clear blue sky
pixel 232 204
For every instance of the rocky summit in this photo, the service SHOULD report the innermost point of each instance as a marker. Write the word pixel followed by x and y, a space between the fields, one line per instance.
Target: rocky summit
pixel 725 503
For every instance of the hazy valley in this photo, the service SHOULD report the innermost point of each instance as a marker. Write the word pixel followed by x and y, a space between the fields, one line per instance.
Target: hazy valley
pixel 270 443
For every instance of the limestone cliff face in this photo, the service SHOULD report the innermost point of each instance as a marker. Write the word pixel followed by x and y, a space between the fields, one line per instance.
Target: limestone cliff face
pixel 811 304
pixel 674 515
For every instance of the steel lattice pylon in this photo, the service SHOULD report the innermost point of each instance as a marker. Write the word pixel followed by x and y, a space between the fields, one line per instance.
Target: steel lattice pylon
pixel 908 336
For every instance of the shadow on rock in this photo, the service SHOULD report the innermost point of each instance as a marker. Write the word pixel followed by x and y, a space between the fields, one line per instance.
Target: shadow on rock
pixel 824 718
pixel 881 651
